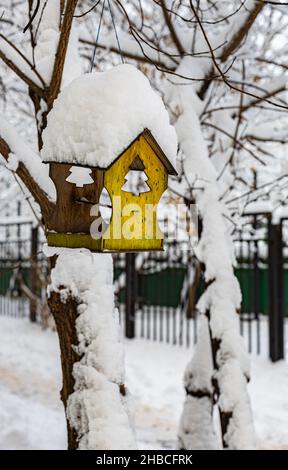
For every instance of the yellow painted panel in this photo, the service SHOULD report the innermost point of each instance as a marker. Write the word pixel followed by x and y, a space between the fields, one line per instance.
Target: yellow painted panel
pixel 74 240
pixel 144 220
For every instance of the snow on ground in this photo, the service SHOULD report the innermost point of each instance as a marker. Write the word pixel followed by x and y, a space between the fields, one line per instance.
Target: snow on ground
pixel 31 413
pixel 32 417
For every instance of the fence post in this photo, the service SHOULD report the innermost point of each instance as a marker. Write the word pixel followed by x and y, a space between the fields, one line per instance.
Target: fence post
pixel 130 297
pixel 276 293
pixel 33 273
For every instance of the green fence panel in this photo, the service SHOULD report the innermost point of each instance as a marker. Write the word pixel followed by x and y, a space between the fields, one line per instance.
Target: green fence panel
pixel 162 288
pixel 6 275
pixel 286 293
pixel 246 277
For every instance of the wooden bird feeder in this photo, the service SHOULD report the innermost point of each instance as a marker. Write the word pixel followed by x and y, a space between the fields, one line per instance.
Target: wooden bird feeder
pixel 70 224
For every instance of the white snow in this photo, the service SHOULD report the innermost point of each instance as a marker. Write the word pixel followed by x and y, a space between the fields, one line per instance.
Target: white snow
pixel 16 220
pixel 12 162
pixel 107 40
pixel 98 115
pixel 21 152
pixel 196 430
pixel 47 37
pixel 17 59
pixel 96 409
pixel 40 61
pixel 258 207
pixel 222 297
pixel 32 416
pixel 73 67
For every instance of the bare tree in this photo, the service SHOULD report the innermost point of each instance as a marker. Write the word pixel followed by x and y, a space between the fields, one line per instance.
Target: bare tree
pixel 39 65
pixel 214 62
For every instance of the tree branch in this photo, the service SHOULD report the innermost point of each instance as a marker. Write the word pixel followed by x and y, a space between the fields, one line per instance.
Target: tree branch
pixel 38 194
pixel 22 75
pixel 265 97
pixel 24 58
pixel 238 37
pixel 171 28
pixel 127 54
pixel 57 74
pixel 231 47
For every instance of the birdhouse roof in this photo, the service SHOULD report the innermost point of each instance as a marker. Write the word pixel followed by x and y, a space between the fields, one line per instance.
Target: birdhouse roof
pixel 97 117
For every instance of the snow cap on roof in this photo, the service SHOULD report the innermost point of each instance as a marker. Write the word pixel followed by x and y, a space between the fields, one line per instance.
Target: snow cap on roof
pixel 98 116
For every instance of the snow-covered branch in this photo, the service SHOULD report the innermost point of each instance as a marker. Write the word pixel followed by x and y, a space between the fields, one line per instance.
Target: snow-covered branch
pixel 28 165
pixel 237 32
pixel 17 62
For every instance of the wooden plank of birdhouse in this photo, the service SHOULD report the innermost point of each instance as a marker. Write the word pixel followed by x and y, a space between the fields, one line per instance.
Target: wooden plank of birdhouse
pixel 159 152
pixel 137 164
pixel 72 214
pixel 64 240
pixel 74 240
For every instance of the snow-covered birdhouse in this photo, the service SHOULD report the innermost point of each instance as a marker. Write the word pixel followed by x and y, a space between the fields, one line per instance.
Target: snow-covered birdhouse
pixel 110 147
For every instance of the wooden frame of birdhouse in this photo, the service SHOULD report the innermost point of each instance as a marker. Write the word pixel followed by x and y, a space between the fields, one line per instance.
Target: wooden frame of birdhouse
pixel 69 226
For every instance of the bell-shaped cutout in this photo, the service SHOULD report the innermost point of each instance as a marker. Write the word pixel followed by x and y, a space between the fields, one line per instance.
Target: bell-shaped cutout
pixel 103 213
pixel 136 183
pixel 79 176
pixel 105 206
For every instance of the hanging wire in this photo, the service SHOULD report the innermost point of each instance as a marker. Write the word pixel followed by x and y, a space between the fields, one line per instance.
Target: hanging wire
pixel 116 34
pixel 97 37
pixel 98 33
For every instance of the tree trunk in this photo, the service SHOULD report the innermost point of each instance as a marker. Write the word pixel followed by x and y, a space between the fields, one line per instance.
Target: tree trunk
pixel 81 299
pixel 227 357
pixel 33 276
pixel 65 315
pixel 224 416
pixel 196 430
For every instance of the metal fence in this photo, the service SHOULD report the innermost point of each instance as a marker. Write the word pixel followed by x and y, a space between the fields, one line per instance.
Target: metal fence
pixel 157 292
pixel 152 292
pixel 23 269
pixel 15 244
pixel 253 272
pixel 261 270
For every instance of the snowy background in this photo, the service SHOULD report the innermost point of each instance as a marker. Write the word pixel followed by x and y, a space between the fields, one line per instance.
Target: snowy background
pixel 223 77
pixel 32 415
